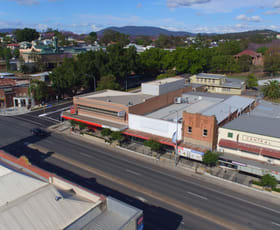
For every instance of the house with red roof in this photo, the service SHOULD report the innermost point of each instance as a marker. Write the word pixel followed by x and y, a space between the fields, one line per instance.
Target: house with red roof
pixel 13 46
pixel 257 58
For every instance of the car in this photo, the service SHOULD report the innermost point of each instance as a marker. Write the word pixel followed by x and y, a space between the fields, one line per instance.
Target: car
pixel 38 132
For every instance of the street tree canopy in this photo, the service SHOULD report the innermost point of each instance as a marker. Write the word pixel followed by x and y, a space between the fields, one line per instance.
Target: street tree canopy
pixel 210 158
pixel 26 34
pixel 271 90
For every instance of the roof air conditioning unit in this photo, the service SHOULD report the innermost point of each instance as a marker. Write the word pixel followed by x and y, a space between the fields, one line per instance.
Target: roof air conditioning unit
pixel 178 100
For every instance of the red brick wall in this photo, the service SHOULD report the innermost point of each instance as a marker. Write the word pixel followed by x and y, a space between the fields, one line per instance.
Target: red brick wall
pixel 199 122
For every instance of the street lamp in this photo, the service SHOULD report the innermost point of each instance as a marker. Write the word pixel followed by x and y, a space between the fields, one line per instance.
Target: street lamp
pixel 176 135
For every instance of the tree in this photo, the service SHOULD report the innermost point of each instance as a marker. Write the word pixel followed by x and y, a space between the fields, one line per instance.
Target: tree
pixel 108 82
pixel 117 136
pixel 169 73
pixel 210 158
pixel 245 62
pixel 272 63
pixel 39 90
pixel 16 53
pixel 154 145
pixel 91 38
pixel 114 36
pixel 26 34
pixel 269 181
pixel 143 40
pixel 82 125
pixel 251 81
pixel 106 132
pixel 262 50
pixel 271 90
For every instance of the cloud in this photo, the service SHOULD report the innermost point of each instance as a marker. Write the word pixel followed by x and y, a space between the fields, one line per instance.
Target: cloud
pixel 243 17
pixel 184 3
pixel 276 4
pixel 139 5
pixel 25 2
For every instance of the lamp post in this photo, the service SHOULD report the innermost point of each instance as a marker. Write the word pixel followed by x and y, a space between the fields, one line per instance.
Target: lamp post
pixel 176 136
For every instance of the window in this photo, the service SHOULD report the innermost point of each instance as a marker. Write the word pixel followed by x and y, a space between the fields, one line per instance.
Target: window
pixel 189 129
pixel 205 132
pixel 230 135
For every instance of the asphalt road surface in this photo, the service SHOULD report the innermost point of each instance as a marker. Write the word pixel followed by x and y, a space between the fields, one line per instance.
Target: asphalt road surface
pixel 169 200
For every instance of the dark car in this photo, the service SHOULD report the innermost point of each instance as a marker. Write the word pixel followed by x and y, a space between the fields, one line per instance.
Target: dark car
pixel 38 132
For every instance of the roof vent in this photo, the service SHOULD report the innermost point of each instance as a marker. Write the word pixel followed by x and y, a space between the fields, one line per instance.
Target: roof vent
pixel 130 103
pixel 108 99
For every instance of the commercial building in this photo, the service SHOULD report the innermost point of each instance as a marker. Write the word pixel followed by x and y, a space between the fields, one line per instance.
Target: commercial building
pixel 31 198
pixel 111 109
pixel 14 93
pixel 254 135
pixel 217 83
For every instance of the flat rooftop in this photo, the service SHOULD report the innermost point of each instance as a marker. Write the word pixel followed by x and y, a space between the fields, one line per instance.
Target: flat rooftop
pixel 118 97
pixel 209 75
pixel 263 120
pixel 195 104
pixel 164 81
pixel 204 103
pixel 256 125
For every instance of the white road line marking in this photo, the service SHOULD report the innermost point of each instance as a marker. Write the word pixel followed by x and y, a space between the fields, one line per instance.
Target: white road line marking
pixel 141 199
pixel 52 119
pixel 276 224
pixel 132 172
pixel 199 196
pixel 45 114
pixel 182 222
pixel 85 155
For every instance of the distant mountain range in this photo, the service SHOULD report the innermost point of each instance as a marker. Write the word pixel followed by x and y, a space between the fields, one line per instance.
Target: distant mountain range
pixel 145 30
pixel 7 30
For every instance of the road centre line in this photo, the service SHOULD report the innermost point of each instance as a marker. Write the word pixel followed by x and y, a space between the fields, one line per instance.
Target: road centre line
pixel 85 155
pixel 199 196
pixel 274 223
pixel 132 172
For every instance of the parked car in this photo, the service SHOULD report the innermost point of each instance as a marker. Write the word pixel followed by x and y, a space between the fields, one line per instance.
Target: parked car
pixel 38 132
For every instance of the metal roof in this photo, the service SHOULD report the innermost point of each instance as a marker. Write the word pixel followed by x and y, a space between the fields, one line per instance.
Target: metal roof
pixel 255 124
pixel 233 83
pixel 29 203
pixel 214 76
pixel 267 109
pixel 228 106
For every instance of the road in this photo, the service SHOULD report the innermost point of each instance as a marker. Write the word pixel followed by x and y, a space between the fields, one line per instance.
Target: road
pixel 169 199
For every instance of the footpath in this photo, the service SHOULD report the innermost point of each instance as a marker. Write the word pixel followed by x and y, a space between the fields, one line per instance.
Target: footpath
pixel 220 176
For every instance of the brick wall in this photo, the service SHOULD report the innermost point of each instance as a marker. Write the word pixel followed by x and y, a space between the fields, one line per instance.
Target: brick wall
pixel 157 102
pixel 198 123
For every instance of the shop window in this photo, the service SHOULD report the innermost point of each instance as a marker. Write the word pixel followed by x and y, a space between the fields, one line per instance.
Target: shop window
pixel 205 132
pixel 230 135
pixel 189 129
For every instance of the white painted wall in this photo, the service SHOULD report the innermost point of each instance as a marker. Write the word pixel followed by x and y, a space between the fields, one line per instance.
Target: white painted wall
pixel 154 126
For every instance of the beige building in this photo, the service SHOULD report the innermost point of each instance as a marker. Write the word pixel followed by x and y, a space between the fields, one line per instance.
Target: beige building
pixel 255 136
pixel 217 83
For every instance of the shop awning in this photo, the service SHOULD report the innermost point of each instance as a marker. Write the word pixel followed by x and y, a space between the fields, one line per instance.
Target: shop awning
pixel 95 122
pixel 249 148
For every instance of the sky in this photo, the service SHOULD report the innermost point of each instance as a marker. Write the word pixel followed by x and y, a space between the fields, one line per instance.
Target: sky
pixel 198 16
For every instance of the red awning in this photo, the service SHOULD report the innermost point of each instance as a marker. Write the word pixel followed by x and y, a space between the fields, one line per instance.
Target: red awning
pixel 250 148
pixel 82 121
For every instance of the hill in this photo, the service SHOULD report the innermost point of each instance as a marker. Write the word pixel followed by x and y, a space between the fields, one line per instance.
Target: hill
pixel 145 30
pixel 7 30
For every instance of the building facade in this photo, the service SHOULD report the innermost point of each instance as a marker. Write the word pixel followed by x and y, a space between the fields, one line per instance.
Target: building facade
pixel 216 83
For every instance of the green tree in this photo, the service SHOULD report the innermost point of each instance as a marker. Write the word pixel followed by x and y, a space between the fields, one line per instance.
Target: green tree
pixel 272 63
pixel 262 50
pixel 245 62
pixel 143 40
pixel 91 38
pixel 66 78
pixel 114 36
pixel 210 158
pixel 82 125
pixel 108 82
pixel 269 181
pixel 154 145
pixel 271 90
pixel 106 132
pixel 26 34
pixel 167 74
pixel 251 81
pixel 117 136
pixel 39 90
pixel 16 53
